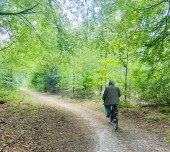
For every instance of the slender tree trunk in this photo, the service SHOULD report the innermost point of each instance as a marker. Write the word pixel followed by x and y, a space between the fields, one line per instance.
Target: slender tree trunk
pixel 105 78
pixel 126 75
pixel 45 88
pixel 73 93
pixel 11 79
pixel 101 87
pixel 87 22
pixel 85 92
pixel 73 85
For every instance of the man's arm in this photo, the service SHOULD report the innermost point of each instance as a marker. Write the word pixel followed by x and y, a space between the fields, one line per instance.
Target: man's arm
pixel 104 94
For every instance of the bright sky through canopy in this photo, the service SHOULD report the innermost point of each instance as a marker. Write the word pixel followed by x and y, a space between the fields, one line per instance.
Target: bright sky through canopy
pixel 76 12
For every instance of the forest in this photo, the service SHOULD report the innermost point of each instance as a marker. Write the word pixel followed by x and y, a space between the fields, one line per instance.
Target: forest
pixel 73 47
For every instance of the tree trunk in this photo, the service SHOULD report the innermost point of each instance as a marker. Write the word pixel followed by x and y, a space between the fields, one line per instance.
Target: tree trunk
pixel 73 95
pixel 73 89
pixel 45 85
pixel 11 79
pixel 105 78
pixel 101 87
pixel 126 75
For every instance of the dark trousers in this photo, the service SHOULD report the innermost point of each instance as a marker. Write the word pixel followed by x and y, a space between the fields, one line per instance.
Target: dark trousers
pixel 108 108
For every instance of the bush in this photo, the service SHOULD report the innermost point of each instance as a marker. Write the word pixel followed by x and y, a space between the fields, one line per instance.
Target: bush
pixel 46 80
pixel 124 105
pixel 152 85
pixel 11 97
pixel 85 86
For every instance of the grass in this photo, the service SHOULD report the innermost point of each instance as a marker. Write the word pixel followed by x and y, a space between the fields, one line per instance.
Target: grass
pixel 101 108
pixel 168 138
pixel 125 105
pixel 157 130
pixel 164 109
pixel 153 117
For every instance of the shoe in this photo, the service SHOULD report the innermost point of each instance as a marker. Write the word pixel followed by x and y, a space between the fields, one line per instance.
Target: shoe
pixel 108 115
pixel 115 120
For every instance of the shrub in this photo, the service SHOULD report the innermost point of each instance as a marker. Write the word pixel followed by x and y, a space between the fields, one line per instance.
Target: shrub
pixel 11 97
pixel 124 105
pixel 46 80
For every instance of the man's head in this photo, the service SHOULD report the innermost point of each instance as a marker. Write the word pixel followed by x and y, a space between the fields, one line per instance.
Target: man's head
pixel 111 82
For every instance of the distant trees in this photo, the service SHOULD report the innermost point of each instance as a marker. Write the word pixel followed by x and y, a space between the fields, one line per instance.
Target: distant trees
pixel 127 41
pixel 46 80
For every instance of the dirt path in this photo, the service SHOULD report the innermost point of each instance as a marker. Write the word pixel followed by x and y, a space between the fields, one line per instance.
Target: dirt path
pixel 128 138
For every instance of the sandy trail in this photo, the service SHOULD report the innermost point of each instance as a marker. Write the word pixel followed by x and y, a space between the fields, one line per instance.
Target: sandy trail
pixel 105 139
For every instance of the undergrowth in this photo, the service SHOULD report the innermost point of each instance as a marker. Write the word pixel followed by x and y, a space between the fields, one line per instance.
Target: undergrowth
pixel 153 117
pixel 11 98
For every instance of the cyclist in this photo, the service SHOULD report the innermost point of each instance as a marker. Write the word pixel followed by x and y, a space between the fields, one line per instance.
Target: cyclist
pixel 111 97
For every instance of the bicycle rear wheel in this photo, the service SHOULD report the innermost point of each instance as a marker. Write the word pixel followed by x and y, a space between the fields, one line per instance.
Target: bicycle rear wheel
pixel 115 123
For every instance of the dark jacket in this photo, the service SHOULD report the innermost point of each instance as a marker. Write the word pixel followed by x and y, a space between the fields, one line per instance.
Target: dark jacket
pixel 111 95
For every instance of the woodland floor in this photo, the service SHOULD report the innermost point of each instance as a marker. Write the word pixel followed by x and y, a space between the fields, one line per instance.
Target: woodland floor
pixel 66 127
pixel 43 129
pixel 161 128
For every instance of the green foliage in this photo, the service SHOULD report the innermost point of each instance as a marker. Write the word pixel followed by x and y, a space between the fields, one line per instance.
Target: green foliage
pixel 85 87
pixel 46 80
pixel 153 118
pixel 101 108
pixel 152 85
pixel 7 78
pixel 11 97
pixel 125 105
pixel 157 117
pixel 127 41
pixel 168 138
pixel 164 109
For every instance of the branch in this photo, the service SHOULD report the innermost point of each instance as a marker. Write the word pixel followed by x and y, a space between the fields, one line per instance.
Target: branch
pixel 167 17
pixel 53 12
pixel 11 29
pixel 162 35
pixel 61 11
pixel 34 30
pixel 27 11
pixel 7 47
pixel 150 7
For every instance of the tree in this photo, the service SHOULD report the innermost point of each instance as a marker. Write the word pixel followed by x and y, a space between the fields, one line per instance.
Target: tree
pixel 127 41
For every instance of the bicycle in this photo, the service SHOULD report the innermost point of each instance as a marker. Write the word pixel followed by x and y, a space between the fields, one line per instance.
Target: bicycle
pixel 113 119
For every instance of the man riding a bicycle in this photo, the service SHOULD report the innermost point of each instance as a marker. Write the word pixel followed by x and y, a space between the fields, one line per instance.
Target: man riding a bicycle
pixel 111 97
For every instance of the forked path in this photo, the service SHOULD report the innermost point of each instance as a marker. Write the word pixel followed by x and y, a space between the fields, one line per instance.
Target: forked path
pixel 127 138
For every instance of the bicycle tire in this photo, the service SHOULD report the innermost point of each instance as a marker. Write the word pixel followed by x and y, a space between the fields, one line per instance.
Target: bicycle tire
pixel 115 124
